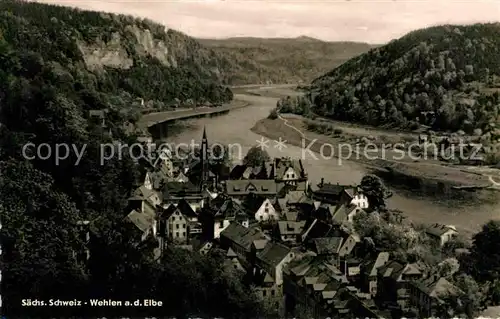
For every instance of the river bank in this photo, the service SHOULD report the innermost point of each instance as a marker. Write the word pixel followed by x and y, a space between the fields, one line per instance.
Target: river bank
pixel 445 183
pixel 236 128
pixel 158 117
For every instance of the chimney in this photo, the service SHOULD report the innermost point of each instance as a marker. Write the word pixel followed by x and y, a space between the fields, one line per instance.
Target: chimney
pixel 322 181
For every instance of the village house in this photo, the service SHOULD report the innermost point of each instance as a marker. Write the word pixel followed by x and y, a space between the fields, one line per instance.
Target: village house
pixel 178 223
pixel 232 261
pixel 242 188
pixel 288 171
pixel 345 214
pixel 179 177
pixel 269 266
pixel 266 209
pixel 290 215
pixel 426 295
pixel 206 248
pixel 392 284
pixel 249 172
pixel 315 229
pixel 164 163
pixel 143 222
pixel 353 196
pixel 245 242
pixel 289 231
pixel 340 250
pixel 219 213
pixel 145 199
pixel 335 194
pixel 323 211
pixel 173 192
pixel 369 272
pixel 441 234
pixel 319 286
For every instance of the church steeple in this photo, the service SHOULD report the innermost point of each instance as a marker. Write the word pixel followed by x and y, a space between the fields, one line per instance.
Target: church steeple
pixel 204 158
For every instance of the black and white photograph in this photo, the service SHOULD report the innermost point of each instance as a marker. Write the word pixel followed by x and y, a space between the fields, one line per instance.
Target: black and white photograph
pixel 249 159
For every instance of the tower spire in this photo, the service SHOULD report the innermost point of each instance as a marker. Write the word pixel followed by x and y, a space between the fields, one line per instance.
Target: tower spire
pixel 204 158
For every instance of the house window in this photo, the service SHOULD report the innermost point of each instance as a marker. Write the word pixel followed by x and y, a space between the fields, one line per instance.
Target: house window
pixel 272 292
pixel 173 218
pixel 184 226
pixel 266 210
pixel 177 226
pixel 177 234
pixel 183 234
pixel 261 217
pixel 221 224
pixel 235 266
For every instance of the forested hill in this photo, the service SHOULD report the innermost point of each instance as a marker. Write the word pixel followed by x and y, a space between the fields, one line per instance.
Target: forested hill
pixel 56 64
pixel 446 77
pixel 114 53
pixel 281 60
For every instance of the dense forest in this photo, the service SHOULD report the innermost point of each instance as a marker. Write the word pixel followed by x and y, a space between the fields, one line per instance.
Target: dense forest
pixel 280 60
pixel 444 77
pixel 48 83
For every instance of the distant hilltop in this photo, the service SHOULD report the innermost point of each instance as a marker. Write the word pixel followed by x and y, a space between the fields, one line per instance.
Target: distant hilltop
pixel 254 60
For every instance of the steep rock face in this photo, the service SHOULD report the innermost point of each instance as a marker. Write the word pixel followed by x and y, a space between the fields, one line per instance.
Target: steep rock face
pixel 110 54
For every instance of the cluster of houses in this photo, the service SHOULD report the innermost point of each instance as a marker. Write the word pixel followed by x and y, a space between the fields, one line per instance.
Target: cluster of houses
pixel 288 237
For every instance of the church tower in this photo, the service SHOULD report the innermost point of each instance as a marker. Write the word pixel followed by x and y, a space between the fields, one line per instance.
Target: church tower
pixel 204 159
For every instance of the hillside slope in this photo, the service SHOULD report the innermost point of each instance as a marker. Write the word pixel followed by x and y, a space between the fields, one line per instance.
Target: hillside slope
pixel 444 77
pixel 130 55
pixel 255 60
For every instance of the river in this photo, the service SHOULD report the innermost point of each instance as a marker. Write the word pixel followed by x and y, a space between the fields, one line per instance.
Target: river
pixel 234 128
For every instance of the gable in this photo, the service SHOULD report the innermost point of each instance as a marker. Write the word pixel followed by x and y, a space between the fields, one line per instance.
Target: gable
pixel 177 214
pixel 290 173
pixel 449 232
pixel 250 187
pixel 266 204
pixel 147 180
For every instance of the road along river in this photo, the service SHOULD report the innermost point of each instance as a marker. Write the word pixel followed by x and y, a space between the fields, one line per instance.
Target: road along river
pixel 234 129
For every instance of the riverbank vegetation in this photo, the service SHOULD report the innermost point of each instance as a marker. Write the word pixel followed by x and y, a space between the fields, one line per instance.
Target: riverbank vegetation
pixel 445 77
pixel 440 143
pixel 264 61
pixel 48 84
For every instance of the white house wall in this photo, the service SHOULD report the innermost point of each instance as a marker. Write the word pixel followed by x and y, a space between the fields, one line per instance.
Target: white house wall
pixel 263 215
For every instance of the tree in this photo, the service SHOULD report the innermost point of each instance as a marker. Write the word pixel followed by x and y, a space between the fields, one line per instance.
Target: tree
pixel 485 253
pixel 375 190
pixel 256 156
pixel 273 114
pixel 472 296
pixel 448 267
pixel 39 239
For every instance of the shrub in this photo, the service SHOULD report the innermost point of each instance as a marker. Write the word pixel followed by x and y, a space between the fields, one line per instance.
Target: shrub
pixel 273 114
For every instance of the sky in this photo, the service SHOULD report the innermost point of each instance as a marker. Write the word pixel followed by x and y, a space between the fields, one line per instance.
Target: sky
pixel 373 21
